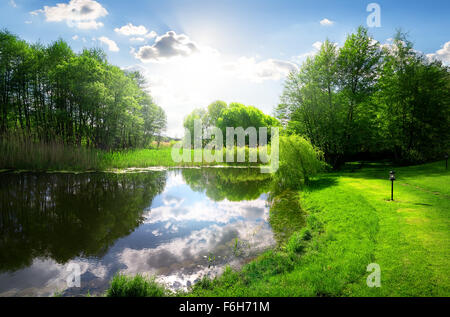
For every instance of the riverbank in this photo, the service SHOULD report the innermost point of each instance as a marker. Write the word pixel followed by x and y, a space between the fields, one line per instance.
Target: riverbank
pixel 354 223
pixel 351 223
pixel 60 158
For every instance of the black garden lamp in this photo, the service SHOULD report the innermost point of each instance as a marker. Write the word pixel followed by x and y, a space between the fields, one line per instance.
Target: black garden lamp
pixel 392 179
pixel 446 160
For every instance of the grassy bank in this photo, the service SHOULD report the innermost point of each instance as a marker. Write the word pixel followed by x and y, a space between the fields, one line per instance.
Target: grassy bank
pixel 351 223
pixel 24 154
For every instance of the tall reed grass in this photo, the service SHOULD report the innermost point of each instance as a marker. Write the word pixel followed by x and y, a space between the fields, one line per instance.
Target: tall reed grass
pixel 23 153
pixel 19 152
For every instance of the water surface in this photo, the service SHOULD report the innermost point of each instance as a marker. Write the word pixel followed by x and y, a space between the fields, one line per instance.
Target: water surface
pixel 178 224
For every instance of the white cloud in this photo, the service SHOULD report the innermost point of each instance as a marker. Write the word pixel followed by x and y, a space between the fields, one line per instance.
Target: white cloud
pixel 131 29
pixel 326 22
pixel 270 69
pixel 112 46
pixel 13 4
pixel 88 25
pixel 28 22
pixel 302 57
pixel 75 37
pixel 77 13
pixel 139 33
pixel 442 54
pixel 151 35
pixel 137 39
pixel 181 79
pixel 317 45
pixel 167 46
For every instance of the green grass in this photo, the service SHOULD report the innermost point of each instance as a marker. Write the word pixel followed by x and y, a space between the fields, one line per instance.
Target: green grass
pixel 25 154
pixel 142 158
pixel 352 223
pixel 137 286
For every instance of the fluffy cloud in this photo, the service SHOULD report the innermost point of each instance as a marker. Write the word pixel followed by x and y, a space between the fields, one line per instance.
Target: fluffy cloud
pixel 112 46
pixel 443 54
pixel 270 69
pixel 188 77
pixel 131 29
pixel 167 46
pixel 87 25
pixel 326 22
pixel 77 13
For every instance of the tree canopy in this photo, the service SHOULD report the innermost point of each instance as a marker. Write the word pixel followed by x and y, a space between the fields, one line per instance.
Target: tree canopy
pixel 49 92
pixel 368 100
pixel 219 114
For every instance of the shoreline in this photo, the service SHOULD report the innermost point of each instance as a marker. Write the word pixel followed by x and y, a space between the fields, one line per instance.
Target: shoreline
pixel 124 170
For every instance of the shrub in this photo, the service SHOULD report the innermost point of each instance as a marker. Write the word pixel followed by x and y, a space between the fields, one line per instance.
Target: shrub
pixel 298 161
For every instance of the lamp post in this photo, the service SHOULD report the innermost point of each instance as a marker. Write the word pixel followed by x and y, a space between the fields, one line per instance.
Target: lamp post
pixel 446 160
pixel 392 179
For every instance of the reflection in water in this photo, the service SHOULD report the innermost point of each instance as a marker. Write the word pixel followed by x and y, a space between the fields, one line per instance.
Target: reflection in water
pixel 179 225
pixel 234 184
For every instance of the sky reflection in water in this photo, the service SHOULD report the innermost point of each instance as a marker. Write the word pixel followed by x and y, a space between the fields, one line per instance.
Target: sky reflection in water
pixel 189 223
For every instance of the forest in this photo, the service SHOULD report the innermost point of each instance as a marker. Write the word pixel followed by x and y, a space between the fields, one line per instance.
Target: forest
pixel 49 93
pixel 365 100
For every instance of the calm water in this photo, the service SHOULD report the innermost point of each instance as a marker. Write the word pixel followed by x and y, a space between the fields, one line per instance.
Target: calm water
pixel 178 224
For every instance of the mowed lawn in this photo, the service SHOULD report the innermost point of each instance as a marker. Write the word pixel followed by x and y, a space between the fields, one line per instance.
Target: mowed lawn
pixel 354 223
pixel 412 243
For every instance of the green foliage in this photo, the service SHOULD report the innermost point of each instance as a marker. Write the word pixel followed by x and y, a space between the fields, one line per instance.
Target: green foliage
pixel 365 100
pixel 235 115
pixel 137 286
pixel 50 92
pixel 414 100
pixel 298 162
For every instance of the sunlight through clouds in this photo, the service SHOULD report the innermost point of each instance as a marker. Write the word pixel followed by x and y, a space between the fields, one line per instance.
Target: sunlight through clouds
pixel 183 74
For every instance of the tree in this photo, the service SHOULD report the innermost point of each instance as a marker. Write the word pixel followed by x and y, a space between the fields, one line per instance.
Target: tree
pixel 50 93
pixel 370 102
pixel 414 97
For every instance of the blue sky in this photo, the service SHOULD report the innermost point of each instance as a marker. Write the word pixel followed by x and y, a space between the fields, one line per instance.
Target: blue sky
pixel 193 52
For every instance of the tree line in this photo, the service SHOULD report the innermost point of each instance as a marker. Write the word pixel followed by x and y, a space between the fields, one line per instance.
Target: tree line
pixel 49 92
pixel 219 114
pixel 367 100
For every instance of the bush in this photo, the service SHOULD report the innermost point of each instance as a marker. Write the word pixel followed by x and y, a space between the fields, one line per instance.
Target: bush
pixel 298 161
pixel 137 286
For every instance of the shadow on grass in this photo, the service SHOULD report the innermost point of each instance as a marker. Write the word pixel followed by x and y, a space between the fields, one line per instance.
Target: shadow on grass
pixel 380 170
pixel 323 181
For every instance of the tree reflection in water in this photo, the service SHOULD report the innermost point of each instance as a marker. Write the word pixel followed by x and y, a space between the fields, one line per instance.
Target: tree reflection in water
pixel 233 184
pixel 63 216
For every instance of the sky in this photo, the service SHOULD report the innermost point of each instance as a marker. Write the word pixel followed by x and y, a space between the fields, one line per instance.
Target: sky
pixel 195 52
